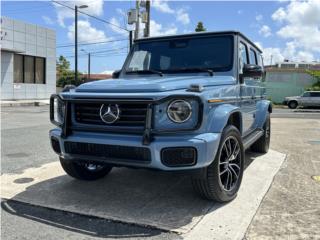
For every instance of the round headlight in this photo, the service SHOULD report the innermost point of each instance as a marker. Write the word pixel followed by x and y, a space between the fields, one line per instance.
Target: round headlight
pixel 179 111
pixel 59 111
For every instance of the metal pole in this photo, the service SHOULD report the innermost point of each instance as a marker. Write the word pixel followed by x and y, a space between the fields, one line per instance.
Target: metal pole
pixel 76 43
pixel 147 29
pixel 130 40
pixel 89 59
pixel 136 35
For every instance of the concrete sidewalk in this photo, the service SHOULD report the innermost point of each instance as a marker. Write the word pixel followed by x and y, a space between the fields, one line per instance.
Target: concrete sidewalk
pixel 29 102
pixel 157 199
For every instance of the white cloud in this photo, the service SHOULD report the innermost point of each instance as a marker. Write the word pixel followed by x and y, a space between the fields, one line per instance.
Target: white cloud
pixel 259 18
pixel 94 8
pixel 157 29
pixel 272 56
pixel 183 16
pixel 279 15
pixel 290 52
pixel 107 72
pixel 301 21
pixel 47 20
pixel 162 6
pixel 115 22
pixel 265 31
pixel 87 33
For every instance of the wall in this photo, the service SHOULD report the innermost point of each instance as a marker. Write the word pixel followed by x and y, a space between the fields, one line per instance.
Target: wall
pixel 26 39
pixel 281 84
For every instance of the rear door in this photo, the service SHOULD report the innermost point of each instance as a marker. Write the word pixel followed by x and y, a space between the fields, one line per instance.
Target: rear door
pixel 315 99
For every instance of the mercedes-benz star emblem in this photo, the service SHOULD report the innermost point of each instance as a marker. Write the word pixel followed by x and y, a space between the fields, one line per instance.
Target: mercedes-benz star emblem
pixel 109 113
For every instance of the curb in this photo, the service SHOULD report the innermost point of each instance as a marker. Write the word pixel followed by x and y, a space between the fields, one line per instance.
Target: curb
pixel 23 104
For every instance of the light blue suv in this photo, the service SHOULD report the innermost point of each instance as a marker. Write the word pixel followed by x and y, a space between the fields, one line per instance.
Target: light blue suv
pixel 190 103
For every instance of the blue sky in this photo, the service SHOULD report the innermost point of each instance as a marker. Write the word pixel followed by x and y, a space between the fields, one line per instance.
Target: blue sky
pixel 283 29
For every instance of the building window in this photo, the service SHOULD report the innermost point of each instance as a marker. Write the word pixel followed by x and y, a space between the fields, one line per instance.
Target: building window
pixel 29 69
pixel 18 69
pixel 40 70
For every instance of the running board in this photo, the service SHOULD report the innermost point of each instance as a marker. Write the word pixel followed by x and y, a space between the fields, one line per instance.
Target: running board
pixel 252 138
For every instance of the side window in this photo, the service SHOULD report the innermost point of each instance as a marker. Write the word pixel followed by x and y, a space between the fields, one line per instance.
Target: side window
pixel 315 94
pixel 243 53
pixel 260 60
pixel 306 94
pixel 243 56
pixel 253 57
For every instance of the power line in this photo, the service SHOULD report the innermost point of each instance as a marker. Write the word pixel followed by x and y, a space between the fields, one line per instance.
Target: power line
pixel 98 52
pixel 99 19
pixel 98 39
pixel 83 44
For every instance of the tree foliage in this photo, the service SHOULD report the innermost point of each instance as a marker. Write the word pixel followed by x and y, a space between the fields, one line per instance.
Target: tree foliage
pixel 200 27
pixel 65 76
pixel 316 75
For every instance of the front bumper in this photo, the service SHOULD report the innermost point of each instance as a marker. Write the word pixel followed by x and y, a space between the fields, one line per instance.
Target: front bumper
pixel 206 145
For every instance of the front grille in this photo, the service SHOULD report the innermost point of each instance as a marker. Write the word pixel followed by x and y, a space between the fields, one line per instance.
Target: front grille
pixel 131 114
pixel 111 152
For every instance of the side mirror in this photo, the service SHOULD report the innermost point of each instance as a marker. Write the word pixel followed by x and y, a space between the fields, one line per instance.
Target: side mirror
pixel 116 74
pixel 252 70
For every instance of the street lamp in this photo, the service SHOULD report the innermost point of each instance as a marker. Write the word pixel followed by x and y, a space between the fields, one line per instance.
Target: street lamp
pixel 89 57
pixel 76 39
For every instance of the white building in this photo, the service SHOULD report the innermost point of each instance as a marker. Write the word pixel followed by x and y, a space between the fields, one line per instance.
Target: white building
pixel 28 60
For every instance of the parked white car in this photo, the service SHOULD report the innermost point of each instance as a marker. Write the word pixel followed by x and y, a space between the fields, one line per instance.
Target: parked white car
pixel 307 99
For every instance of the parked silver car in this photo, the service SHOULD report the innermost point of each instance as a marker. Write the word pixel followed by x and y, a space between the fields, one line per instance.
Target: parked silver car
pixel 307 99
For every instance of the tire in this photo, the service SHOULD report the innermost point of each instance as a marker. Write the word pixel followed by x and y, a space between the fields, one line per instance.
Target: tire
pixel 262 144
pixel 293 104
pixel 84 171
pixel 211 185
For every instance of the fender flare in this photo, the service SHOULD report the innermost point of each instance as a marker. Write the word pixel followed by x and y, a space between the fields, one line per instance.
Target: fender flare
pixel 218 117
pixel 263 108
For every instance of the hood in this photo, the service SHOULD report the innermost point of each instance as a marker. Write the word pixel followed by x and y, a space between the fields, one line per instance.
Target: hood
pixel 153 84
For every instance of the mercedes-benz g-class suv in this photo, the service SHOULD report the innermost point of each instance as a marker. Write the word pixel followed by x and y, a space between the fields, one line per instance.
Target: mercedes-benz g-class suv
pixel 185 102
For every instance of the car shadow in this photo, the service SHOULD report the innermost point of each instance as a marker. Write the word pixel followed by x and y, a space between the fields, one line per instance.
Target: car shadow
pixel 103 208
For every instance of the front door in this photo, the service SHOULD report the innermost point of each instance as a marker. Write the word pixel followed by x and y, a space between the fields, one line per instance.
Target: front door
pixel 248 92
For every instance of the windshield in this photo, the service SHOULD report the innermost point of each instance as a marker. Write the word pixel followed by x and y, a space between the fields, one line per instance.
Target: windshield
pixel 186 55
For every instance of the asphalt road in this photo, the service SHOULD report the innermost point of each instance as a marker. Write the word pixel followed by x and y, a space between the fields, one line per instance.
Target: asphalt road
pixel 296 113
pixel 25 144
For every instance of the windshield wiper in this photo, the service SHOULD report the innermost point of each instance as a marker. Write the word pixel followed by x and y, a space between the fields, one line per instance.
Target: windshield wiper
pixel 147 71
pixel 208 70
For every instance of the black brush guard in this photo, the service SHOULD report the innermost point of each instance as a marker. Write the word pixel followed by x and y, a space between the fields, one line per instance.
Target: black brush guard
pixel 148 130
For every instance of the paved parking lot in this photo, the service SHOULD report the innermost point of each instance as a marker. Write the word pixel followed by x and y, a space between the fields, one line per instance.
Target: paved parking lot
pixel 288 211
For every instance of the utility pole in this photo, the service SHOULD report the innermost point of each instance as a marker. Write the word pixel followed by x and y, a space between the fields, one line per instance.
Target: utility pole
pixel 147 28
pixel 76 43
pixel 76 40
pixel 271 60
pixel 130 39
pixel 89 63
pixel 89 60
pixel 136 33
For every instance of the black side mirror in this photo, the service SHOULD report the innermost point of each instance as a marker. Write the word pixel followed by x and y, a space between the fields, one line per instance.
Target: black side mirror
pixel 252 70
pixel 116 74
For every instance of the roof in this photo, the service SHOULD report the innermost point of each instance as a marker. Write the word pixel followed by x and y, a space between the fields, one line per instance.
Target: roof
pixel 177 36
